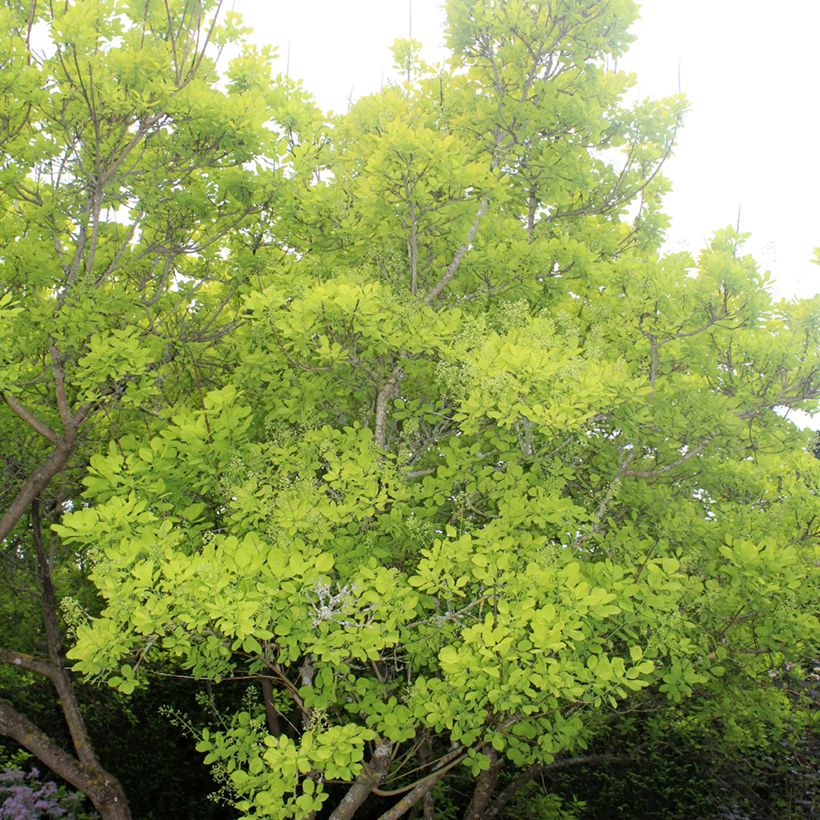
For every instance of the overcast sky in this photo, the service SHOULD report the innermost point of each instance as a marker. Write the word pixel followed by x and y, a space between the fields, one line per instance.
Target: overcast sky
pixel 750 69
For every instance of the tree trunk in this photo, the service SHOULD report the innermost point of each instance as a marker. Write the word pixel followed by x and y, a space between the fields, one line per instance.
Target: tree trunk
pixel 532 205
pixel 271 712
pixel 60 677
pixel 413 250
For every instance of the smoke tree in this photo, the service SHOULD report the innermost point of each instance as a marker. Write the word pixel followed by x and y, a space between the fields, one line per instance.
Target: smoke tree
pixel 403 416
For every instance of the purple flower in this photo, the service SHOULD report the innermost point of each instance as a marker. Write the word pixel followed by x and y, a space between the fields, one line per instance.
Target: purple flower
pixel 23 796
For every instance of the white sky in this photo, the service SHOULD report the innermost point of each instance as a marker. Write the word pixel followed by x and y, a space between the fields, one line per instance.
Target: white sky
pixel 750 69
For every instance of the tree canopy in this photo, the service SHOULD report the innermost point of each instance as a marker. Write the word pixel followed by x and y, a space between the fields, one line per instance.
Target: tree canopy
pixel 402 416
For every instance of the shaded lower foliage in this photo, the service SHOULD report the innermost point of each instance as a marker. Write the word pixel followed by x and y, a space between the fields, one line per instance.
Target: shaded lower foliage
pixel 638 769
pixel 676 777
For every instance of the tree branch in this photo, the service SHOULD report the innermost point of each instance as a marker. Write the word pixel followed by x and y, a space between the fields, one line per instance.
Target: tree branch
pixel 386 392
pixel 61 679
pixel 484 787
pixel 603 506
pixel 34 485
pixel 59 390
pixel 660 471
pixel 28 662
pixel 30 419
pixel 271 712
pixel 442 283
pixel 371 775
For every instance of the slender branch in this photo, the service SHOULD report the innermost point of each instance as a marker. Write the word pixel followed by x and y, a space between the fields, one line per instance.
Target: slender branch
pixel 784 399
pixel 413 240
pixel 512 788
pixel 201 51
pixel 294 362
pixel 437 764
pixel 59 390
pixel 420 789
pixel 615 198
pixel 715 319
pixel 603 506
pixel 123 247
pixel 655 362
pixel 144 127
pixel 292 690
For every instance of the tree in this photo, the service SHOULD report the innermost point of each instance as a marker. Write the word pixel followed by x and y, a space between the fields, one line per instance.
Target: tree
pixel 476 470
